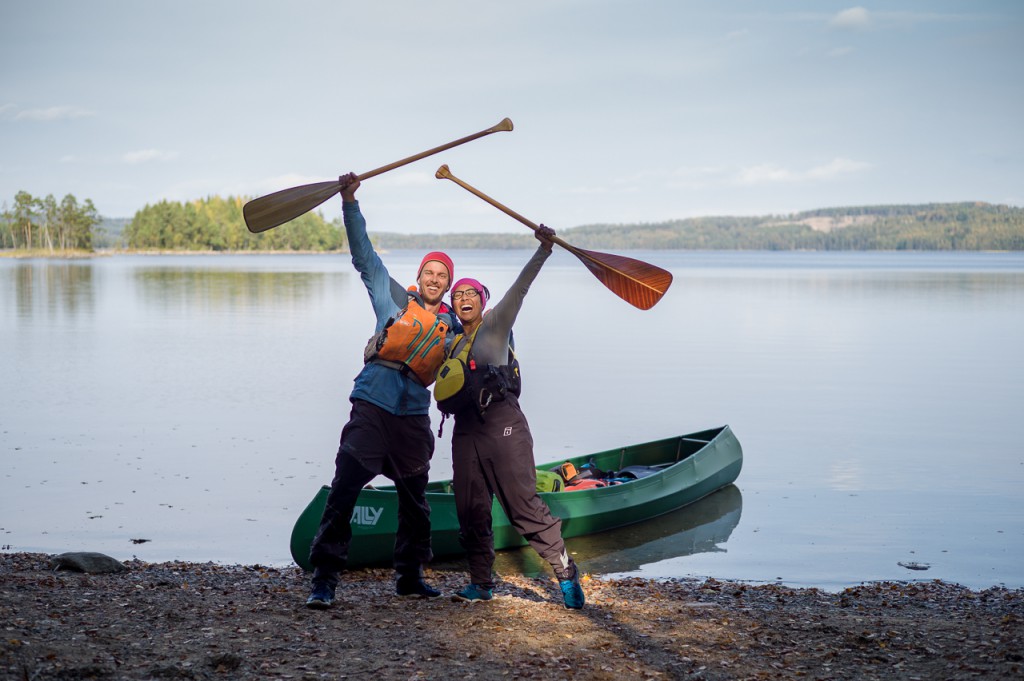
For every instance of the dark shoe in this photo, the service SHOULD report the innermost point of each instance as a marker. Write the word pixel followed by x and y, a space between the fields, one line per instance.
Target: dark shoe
pixel 474 593
pixel 572 592
pixel 322 596
pixel 414 587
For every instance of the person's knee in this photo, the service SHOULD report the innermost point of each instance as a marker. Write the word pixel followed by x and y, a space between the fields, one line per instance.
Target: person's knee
pixel 476 535
pixel 350 470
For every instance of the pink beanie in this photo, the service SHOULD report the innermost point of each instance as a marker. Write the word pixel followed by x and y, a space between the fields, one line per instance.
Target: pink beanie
pixel 480 288
pixel 439 257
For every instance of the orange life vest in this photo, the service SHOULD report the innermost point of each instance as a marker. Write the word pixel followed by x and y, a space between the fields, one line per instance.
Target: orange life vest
pixel 585 484
pixel 411 341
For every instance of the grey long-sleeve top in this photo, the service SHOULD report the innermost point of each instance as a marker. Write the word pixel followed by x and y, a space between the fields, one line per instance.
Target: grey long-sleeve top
pixel 492 338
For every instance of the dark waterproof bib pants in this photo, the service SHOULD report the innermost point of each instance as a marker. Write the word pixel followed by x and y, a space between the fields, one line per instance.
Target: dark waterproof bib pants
pixel 496 458
pixel 376 442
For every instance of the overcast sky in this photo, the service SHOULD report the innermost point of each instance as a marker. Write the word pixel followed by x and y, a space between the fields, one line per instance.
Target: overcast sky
pixel 625 111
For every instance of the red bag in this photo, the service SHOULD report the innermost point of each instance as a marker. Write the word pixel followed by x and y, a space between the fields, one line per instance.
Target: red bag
pixel 585 484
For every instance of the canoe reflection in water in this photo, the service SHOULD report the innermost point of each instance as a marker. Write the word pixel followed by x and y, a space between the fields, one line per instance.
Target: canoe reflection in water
pixel 698 528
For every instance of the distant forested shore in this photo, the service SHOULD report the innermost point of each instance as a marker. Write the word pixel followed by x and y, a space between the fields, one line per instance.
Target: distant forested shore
pixel 210 224
pixel 216 224
pixel 927 227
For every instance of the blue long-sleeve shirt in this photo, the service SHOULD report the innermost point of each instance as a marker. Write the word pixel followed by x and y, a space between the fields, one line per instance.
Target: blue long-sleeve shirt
pixel 383 386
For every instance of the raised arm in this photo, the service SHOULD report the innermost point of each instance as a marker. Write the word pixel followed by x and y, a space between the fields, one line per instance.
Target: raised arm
pixel 379 284
pixel 491 345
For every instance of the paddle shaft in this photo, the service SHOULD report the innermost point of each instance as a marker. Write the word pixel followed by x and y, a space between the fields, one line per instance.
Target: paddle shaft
pixel 638 283
pixel 444 173
pixel 267 212
pixel 504 126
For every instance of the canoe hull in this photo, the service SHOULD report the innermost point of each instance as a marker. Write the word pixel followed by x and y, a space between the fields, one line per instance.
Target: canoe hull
pixel 701 464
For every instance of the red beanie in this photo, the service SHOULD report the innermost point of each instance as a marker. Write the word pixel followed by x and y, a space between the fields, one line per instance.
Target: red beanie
pixel 441 258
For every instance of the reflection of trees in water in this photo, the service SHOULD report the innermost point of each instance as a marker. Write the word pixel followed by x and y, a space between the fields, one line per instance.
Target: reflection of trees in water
pixel 52 288
pixel 219 289
pixel 833 284
pixel 697 528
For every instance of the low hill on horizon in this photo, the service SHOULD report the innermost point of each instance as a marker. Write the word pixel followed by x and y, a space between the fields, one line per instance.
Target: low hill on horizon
pixel 933 226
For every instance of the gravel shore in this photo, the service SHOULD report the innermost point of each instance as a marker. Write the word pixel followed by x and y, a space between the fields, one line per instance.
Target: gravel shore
pixel 205 621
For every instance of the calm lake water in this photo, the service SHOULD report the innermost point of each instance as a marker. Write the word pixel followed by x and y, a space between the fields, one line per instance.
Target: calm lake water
pixel 196 401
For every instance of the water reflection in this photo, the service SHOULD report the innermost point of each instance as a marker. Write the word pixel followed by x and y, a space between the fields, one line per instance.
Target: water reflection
pixel 698 528
pixel 214 288
pixel 51 289
pixel 830 283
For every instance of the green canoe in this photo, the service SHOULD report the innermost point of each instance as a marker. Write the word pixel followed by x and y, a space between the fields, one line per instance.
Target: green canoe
pixel 695 465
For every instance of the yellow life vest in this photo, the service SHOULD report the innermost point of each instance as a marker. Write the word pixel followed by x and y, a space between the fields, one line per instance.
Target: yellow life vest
pixel 412 342
pixel 461 384
pixel 452 388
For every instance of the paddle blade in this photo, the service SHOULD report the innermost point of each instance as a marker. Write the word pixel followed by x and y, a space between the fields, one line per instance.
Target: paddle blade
pixel 638 283
pixel 278 208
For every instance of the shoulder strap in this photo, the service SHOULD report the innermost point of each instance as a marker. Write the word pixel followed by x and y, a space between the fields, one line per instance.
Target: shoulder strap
pixel 401 295
pixel 461 341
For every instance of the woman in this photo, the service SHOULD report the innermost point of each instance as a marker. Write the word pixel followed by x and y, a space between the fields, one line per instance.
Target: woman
pixel 492 448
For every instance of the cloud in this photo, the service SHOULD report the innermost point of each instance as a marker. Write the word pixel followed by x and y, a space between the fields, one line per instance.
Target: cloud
pixel 853 18
pixel 586 190
pixel 835 168
pixel 261 187
pixel 697 177
pixel 53 113
pixel 408 179
pixel 269 185
pixel 148 155
pixel 840 52
pixel 767 173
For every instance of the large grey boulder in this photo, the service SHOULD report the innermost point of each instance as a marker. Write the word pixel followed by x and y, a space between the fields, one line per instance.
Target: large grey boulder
pixel 87 561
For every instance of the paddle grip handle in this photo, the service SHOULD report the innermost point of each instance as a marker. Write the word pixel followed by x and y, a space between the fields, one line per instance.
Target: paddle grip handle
pixel 504 125
pixel 443 173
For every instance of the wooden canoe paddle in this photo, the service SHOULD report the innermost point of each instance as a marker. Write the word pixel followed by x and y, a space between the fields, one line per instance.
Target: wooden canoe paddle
pixel 638 283
pixel 278 208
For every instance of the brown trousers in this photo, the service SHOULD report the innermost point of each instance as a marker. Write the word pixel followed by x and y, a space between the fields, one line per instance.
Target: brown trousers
pixel 495 458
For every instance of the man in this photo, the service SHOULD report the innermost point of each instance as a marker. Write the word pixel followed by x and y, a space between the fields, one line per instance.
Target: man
pixel 388 431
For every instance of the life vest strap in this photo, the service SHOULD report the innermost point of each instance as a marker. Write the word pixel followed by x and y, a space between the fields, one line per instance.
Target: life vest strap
pixel 400 367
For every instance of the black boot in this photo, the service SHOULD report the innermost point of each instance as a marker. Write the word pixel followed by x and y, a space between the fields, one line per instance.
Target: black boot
pixel 321 595
pixel 413 586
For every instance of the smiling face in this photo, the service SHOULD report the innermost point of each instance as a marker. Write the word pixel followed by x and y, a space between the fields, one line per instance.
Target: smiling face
pixel 468 304
pixel 433 282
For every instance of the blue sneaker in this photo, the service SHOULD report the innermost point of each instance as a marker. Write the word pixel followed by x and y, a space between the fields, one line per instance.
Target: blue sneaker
pixel 322 596
pixel 414 587
pixel 474 593
pixel 572 592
